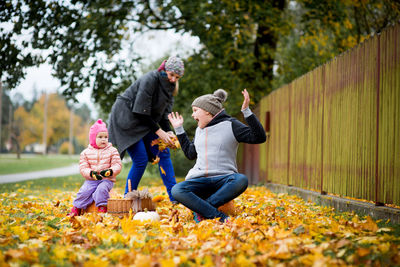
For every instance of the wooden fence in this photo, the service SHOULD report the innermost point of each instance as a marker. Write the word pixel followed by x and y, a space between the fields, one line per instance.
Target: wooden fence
pixel 336 129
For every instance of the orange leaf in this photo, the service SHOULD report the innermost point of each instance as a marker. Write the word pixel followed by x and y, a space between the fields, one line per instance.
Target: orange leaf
pixel 363 252
pixel 370 225
pixel 158 198
pixel 75 223
pixel 156 160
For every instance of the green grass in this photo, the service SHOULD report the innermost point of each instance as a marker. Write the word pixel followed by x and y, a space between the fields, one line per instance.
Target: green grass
pixel 74 182
pixel 67 183
pixel 9 163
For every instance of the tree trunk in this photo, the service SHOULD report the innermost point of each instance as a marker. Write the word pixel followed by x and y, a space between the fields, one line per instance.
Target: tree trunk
pixel 14 138
pixel 71 125
pixel 265 47
pixel 1 113
pixel 45 124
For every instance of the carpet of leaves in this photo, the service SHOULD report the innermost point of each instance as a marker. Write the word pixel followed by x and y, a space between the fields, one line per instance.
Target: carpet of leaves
pixel 268 230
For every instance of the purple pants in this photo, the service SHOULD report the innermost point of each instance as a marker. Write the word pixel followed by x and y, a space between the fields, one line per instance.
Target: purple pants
pixel 97 191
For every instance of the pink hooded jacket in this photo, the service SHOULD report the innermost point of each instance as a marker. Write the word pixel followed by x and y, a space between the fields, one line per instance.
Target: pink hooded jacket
pixel 94 159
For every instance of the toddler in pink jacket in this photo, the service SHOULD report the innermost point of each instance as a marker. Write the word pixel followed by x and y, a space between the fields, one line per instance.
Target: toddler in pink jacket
pixel 99 164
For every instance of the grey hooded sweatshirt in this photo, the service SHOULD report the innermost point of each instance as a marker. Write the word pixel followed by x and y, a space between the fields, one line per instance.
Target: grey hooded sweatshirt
pixel 215 146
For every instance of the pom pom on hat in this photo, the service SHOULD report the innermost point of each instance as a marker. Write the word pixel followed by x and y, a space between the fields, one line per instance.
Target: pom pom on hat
pixel 221 94
pixel 175 64
pixel 211 102
pixel 98 126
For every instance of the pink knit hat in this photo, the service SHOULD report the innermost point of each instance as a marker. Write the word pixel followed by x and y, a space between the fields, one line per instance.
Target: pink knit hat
pixel 99 126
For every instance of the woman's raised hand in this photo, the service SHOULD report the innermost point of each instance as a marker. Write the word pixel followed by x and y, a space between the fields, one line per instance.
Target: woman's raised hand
pixel 246 100
pixel 175 119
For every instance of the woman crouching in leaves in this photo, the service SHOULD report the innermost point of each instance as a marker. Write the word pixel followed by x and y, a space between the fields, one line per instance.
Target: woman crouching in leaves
pixel 214 179
pixel 99 164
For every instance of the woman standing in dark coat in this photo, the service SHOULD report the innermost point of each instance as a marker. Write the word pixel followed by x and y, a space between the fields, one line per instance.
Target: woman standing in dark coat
pixel 140 115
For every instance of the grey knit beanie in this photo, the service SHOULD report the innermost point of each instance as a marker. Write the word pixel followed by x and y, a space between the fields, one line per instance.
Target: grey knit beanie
pixel 211 102
pixel 175 64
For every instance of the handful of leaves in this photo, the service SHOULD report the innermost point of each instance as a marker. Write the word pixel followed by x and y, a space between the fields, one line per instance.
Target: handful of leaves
pixel 162 145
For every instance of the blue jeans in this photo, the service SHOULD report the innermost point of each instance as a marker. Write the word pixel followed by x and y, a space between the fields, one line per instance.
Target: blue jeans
pixel 139 157
pixel 205 194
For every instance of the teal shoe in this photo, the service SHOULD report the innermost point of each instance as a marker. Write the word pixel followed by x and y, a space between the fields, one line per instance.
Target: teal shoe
pixel 197 217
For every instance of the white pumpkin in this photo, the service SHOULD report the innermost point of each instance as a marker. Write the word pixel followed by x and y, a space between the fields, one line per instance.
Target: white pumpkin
pixel 147 216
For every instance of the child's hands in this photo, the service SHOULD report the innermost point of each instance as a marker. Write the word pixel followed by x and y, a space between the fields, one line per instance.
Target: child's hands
pixel 95 175
pixel 246 100
pixel 106 173
pixel 175 119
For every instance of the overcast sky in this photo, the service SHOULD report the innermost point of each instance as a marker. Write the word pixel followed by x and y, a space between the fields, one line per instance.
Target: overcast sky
pixel 148 46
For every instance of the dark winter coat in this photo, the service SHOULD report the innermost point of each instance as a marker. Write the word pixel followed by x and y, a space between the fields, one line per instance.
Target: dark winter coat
pixel 149 95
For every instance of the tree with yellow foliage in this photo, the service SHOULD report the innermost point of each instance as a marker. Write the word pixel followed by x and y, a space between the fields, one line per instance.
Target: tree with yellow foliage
pixel 31 123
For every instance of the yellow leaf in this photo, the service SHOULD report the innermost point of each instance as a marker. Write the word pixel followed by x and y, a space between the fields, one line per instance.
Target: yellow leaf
pixel 143 261
pixel 116 254
pixel 368 240
pixel 167 263
pixel 341 253
pixel 384 230
pixel 282 252
pixel 158 198
pixel 162 170
pixel 241 260
pixel 60 252
pixel 384 247
pixel 96 262
pixel 205 261
pixel 20 232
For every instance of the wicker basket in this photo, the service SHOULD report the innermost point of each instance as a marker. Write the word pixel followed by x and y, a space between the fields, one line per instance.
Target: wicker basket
pixel 121 207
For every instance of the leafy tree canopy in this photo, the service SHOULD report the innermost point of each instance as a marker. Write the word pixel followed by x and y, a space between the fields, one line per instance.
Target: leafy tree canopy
pixel 258 45
pixel 81 39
